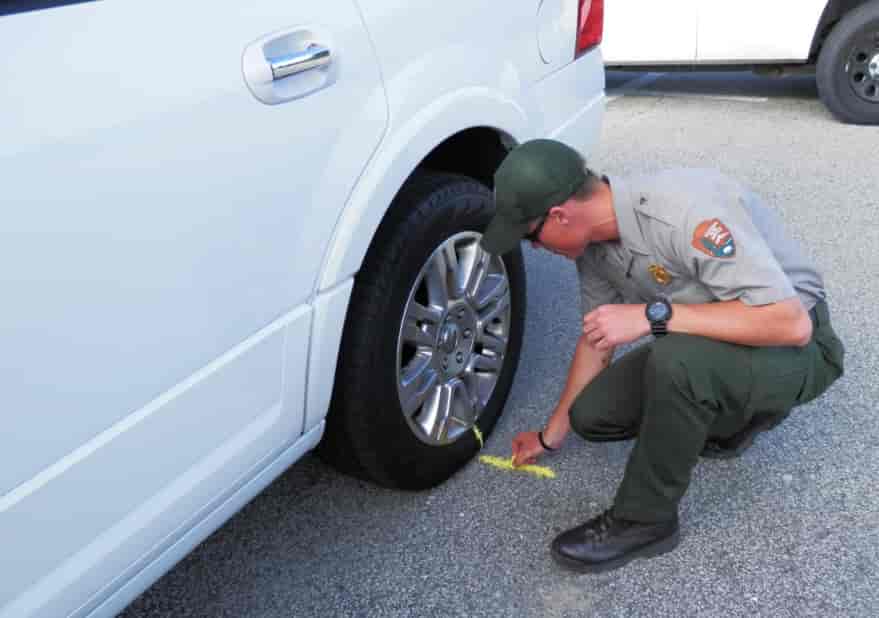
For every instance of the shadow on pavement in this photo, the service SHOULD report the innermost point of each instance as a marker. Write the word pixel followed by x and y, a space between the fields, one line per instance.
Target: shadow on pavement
pixel 715 83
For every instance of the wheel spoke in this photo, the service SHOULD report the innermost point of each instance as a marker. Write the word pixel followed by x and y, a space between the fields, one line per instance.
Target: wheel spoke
pixel 493 287
pixel 474 269
pixel 437 280
pixel 450 405
pixel 420 324
pixel 499 305
pixel 453 266
pixel 463 403
pixel 434 417
pixel 497 345
pixel 417 382
pixel 486 363
pixel 480 386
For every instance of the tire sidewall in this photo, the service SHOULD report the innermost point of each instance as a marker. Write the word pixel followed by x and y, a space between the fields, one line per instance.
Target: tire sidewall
pixel 394 454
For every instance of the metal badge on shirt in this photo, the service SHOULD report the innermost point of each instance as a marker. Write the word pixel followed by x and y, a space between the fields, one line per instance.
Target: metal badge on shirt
pixel 660 274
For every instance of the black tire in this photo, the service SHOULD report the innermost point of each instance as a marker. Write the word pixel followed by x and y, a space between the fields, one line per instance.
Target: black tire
pixel 836 69
pixel 367 434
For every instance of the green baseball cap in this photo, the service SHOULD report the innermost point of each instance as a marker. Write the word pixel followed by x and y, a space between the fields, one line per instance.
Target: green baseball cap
pixel 534 177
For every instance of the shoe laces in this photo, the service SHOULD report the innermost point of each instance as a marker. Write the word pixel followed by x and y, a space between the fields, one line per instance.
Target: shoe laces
pixel 602 525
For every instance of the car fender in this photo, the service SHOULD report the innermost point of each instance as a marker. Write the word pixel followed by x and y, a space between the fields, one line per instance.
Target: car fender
pixel 399 155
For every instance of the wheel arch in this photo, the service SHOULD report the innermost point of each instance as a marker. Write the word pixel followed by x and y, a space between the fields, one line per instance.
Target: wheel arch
pixel 466 132
pixel 833 12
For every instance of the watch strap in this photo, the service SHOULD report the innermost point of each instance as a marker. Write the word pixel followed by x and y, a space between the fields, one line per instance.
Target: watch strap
pixel 659 329
pixel 543 442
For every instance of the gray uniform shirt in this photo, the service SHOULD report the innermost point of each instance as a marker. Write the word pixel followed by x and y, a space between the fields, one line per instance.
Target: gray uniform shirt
pixel 694 236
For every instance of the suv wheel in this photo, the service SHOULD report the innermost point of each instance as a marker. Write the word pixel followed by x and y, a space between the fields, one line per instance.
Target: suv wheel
pixel 431 341
pixel 848 67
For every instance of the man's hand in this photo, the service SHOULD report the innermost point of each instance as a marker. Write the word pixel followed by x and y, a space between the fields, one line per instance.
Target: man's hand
pixel 613 325
pixel 526 448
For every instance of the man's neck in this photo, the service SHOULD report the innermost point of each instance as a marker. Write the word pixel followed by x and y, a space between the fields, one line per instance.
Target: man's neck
pixel 602 215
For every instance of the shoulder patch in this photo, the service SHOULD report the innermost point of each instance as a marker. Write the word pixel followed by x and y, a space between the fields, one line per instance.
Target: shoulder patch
pixel 713 238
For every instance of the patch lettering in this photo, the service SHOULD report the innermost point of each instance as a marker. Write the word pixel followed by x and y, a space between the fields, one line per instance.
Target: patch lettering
pixel 713 238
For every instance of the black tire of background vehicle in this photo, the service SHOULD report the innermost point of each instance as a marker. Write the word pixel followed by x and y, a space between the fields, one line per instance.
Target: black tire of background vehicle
pixel 367 435
pixel 833 80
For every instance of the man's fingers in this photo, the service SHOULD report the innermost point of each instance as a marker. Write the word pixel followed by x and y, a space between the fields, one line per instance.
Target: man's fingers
pixel 593 337
pixel 589 327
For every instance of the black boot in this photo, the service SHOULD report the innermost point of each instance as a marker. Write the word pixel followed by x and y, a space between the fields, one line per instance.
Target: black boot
pixel 606 542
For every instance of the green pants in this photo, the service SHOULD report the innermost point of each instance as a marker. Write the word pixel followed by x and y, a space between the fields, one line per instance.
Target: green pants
pixel 680 390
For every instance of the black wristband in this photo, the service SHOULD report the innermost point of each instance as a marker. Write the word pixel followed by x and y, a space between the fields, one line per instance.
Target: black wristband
pixel 542 443
pixel 659 329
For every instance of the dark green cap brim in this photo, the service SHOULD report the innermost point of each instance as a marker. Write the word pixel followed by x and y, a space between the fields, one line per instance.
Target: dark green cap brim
pixel 502 235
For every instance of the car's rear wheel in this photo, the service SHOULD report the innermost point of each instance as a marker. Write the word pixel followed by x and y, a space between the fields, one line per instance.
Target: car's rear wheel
pixel 431 341
pixel 848 67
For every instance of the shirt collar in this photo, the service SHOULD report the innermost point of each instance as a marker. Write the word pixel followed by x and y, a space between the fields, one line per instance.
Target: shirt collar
pixel 625 207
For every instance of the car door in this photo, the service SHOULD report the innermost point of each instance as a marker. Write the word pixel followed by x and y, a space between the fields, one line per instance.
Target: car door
pixel 756 30
pixel 172 174
pixel 639 32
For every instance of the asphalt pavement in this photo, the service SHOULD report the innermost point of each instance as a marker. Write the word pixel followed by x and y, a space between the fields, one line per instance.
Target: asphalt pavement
pixel 791 529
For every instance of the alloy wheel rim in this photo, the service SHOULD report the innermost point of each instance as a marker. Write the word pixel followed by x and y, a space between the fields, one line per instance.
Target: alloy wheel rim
pixel 453 339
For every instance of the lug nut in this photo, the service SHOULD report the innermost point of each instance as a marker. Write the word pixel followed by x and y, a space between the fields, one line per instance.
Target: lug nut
pixel 467 333
pixel 460 357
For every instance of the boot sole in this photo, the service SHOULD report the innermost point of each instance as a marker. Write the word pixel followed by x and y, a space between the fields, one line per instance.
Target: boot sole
pixel 657 548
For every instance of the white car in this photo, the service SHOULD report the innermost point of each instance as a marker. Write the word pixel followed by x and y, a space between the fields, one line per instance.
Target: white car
pixel 838 38
pixel 232 228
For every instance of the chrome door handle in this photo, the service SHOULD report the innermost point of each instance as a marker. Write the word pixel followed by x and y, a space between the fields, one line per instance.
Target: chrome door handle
pixel 313 57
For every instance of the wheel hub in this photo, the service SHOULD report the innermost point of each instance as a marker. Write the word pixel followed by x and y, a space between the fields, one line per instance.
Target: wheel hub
pixel 863 67
pixel 449 337
pixel 455 341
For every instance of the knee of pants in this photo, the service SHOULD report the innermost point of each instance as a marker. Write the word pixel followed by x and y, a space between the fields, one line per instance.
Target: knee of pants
pixel 672 358
pixel 591 421
pixel 581 421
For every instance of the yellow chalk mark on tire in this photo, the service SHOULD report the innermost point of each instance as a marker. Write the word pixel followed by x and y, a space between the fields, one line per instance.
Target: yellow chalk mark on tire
pixel 478 435
pixel 507 464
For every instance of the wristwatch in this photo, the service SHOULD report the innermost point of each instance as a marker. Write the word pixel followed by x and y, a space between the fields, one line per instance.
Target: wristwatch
pixel 658 314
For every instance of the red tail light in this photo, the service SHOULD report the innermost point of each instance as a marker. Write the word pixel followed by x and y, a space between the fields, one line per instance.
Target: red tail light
pixel 590 25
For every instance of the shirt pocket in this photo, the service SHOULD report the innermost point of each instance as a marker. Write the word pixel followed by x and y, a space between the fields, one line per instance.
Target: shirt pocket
pixel 652 277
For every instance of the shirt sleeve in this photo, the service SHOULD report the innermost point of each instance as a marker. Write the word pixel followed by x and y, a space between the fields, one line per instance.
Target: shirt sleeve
pixel 595 288
pixel 725 251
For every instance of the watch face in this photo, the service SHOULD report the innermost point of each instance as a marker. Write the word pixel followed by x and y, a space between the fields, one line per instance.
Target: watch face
pixel 657 311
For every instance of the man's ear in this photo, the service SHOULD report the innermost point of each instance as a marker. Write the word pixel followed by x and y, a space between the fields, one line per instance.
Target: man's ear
pixel 559 214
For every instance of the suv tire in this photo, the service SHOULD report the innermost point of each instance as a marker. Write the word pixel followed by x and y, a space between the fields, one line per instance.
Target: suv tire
pixel 848 67
pixel 435 220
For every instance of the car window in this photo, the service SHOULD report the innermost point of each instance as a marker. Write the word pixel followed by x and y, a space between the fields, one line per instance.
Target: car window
pixel 12 7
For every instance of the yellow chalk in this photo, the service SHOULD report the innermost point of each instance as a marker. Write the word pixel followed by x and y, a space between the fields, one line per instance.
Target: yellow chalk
pixel 478 435
pixel 507 464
